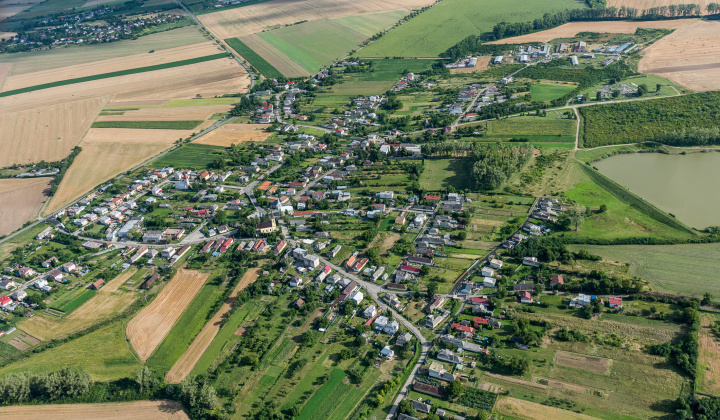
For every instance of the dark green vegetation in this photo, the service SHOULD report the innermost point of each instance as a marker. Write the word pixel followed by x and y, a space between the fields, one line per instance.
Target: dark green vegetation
pixel 114 74
pixel 638 121
pixel 254 58
pixel 157 125
pixel 203 7
pixel 193 156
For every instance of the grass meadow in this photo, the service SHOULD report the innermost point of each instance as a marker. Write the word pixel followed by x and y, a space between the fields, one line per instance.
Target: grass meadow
pixel 547 92
pixel 544 127
pixel 193 156
pixel 253 58
pixel 442 173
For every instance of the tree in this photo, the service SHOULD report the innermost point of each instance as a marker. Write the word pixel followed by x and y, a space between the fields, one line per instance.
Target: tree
pixel 598 96
pixel 576 214
pixel 424 270
pixel 454 389
pixel 642 90
pixel 603 208
pixel 432 289
pixel 309 338
pixel 145 379
pixel 406 407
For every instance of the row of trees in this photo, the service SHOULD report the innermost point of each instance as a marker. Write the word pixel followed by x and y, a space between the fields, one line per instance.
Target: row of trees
pixel 690 137
pixel 17 388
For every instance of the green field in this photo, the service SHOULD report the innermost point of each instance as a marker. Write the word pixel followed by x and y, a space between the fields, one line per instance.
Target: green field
pixel 78 301
pixel 667 88
pixel 253 58
pixel 320 401
pixel 449 22
pixel 689 269
pixel 155 125
pixel 315 44
pixel 442 173
pixel 193 156
pixel 529 126
pixel 373 23
pixel 104 353
pixel 114 74
pixel 543 92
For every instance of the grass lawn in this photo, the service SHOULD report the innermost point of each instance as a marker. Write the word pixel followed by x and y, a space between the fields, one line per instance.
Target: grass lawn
pixel 104 353
pixel 192 156
pixel 323 400
pixel 442 173
pixel 546 92
pixel 78 301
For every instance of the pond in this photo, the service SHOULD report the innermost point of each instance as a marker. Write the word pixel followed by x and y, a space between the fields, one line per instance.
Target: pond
pixel 687 186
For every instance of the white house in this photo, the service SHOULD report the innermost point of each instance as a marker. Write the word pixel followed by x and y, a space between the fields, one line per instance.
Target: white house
pixel 356 297
pixel 487 272
pixel 488 282
pixel 391 328
pixel 496 263
pixel 369 312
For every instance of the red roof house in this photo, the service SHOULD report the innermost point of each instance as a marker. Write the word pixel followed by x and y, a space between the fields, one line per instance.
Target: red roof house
pixel 408 269
pixel 615 302
pixel 557 280
pixel 463 328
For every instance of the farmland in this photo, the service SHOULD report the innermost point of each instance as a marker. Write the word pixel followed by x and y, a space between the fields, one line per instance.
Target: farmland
pixel 688 56
pixel 563 129
pixel 527 410
pixel 546 92
pixel 230 134
pixel 255 60
pixel 22 200
pixel 196 156
pixel 708 380
pixel 150 326
pixel 371 23
pixel 264 56
pixel 148 125
pixel 445 24
pixel 645 4
pixel 161 410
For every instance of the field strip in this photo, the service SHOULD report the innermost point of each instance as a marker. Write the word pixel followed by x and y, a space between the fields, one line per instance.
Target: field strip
pixel 527 410
pixel 189 359
pixel 21 200
pixel 252 57
pixel 113 74
pixel 186 113
pixel 4 70
pixel 230 134
pixel 162 409
pixel 275 57
pixel 150 326
pixel 111 65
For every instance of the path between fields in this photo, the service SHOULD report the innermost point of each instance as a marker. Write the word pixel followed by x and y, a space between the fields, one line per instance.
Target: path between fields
pixel 200 344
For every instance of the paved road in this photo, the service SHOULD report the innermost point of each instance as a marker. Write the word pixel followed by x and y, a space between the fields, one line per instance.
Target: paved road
pixel 311 184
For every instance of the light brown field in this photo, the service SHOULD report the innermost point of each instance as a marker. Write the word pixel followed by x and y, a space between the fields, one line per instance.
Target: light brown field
pixel 273 56
pixel 7 34
pixel 258 17
pixel 136 410
pixel 4 70
pixel 482 64
pixel 150 326
pixel 571 29
pixel 185 113
pixel 45 132
pixel 581 361
pixel 230 134
pixel 646 4
pixel 111 65
pixel 107 302
pixel 527 410
pixel 690 56
pixel 709 358
pixel 21 200
pixel 10 8
pixel 91 3
pixel 106 153
pixel 189 359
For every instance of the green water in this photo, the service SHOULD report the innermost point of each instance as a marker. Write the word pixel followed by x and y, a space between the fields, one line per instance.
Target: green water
pixel 687 186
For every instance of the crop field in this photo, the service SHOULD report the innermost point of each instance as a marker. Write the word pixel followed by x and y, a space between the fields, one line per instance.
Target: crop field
pixel 315 44
pixel 571 29
pixel 22 200
pixel 255 59
pixel 105 303
pixel 203 340
pixel 230 134
pixel 262 55
pixel 165 113
pixel 193 156
pixel 4 70
pixel 451 21
pixel 529 126
pixel 546 92
pixel 160 410
pixel 441 173
pixel 683 269
pixel 148 125
pixel 690 56
pixel 371 23
pixel 527 410
pixel 708 378
pixel 150 326
pixel 45 133
pixel 104 354
pixel 269 15
pixel 646 4
pixel 37 61
pixel 10 8
pixel 106 153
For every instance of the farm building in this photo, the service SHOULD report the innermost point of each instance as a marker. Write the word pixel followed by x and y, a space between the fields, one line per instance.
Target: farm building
pixel 97 284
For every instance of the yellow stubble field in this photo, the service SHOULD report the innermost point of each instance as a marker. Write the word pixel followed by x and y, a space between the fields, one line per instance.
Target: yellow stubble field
pixel 21 199
pixel 160 410
pixel 230 134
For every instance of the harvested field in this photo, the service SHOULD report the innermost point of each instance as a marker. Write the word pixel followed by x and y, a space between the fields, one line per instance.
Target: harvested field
pixel 708 381
pixel 106 153
pixel 235 134
pixel 255 18
pixel 189 359
pixel 646 4
pixel 690 56
pixel 4 70
pixel 111 65
pixel 150 326
pixel 522 409
pixel 581 361
pixel 186 113
pixel 136 410
pixel 91 3
pixel 275 57
pixel 106 303
pixel 482 64
pixel 45 132
pixel 10 8
pixel 21 200
pixel 571 29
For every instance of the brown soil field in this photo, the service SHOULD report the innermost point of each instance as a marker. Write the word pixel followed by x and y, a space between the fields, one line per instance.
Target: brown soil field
pixel 646 4
pixel 106 153
pixel 150 326
pixel 189 359
pixel 690 56
pixel 45 132
pixel 107 302
pixel 230 134
pixel 482 64
pixel 185 113
pixel 709 358
pixel 258 17
pixel 136 410
pixel 580 361
pixel 571 29
pixel 522 409
pixel 22 199
pixel 273 56
pixel 110 65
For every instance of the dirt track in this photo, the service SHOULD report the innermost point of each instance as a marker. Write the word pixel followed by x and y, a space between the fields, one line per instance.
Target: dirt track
pixel 137 410
pixel 149 327
pixel 189 359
